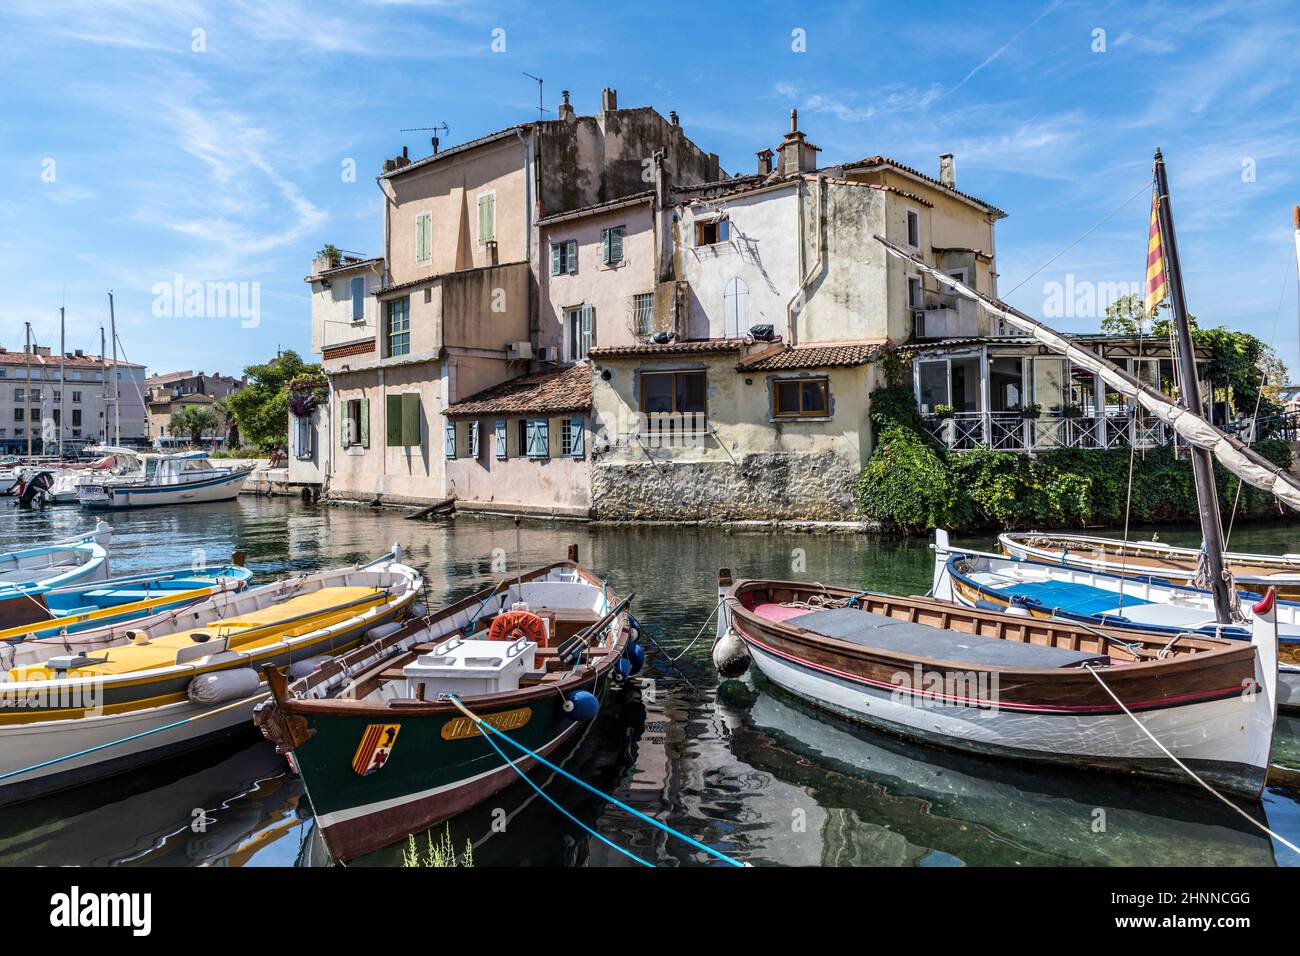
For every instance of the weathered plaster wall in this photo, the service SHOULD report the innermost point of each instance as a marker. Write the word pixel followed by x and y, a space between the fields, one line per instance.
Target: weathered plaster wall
pixel 772 468
pixel 846 298
pixel 762 251
pixel 558 485
pixel 449 189
pixel 591 159
pixel 331 310
pixel 609 288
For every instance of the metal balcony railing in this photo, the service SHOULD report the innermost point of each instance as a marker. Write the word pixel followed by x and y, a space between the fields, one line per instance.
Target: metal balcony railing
pixel 1010 431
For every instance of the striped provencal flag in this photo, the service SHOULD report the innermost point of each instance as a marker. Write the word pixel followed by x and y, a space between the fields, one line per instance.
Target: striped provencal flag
pixel 1156 287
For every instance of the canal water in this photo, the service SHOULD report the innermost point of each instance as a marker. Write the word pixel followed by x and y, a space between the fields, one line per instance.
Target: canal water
pixel 740 766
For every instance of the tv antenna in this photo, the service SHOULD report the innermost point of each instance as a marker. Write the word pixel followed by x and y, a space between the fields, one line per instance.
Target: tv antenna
pixel 540 107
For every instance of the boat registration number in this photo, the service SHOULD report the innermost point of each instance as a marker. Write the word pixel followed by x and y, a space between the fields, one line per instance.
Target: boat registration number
pixel 461 728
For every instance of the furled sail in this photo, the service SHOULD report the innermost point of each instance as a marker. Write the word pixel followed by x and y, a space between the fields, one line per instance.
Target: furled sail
pixel 1232 453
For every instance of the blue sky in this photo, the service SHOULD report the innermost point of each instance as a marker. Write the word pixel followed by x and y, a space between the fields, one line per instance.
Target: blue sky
pixel 129 157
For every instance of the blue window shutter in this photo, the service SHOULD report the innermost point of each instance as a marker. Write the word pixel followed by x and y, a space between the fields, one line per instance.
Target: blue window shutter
pixel 576 437
pixel 501 439
pixel 616 244
pixel 555 258
pixel 537 444
pixel 572 249
pixel 605 249
pixel 449 440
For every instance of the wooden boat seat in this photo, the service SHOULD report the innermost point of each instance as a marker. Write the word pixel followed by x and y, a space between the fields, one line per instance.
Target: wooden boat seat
pixel 890 635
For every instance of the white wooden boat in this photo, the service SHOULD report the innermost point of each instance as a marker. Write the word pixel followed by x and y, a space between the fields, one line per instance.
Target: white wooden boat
pixel 31 570
pixel 167 480
pixel 1016 687
pixel 1040 589
pixel 1165 562
pixel 171 686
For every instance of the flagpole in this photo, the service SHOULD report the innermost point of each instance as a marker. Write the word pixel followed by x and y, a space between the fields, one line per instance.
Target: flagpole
pixel 1207 495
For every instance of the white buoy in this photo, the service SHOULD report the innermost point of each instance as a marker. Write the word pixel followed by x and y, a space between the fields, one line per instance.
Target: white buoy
pixel 730 655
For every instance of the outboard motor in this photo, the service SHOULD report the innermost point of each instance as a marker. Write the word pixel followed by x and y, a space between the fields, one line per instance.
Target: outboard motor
pixel 36 489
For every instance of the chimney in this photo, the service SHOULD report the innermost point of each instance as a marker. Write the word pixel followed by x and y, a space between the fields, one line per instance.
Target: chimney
pixel 764 162
pixel 661 181
pixel 608 100
pixel 434 142
pixel 406 155
pixel 948 170
pixel 672 117
pixel 492 252
pixel 797 154
pixel 566 111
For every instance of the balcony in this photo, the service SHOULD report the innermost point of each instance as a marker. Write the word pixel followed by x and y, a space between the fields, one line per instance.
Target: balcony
pixel 1011 431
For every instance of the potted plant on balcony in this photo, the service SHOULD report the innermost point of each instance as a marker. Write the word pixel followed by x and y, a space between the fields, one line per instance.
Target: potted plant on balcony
pixel 1031 411
pixel 1072 411
pixel 943 412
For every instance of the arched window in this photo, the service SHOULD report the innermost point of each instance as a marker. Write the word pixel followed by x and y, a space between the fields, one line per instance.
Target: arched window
pixel 736 308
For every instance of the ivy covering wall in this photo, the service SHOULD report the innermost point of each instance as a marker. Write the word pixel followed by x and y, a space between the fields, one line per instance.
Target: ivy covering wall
pixel 912 483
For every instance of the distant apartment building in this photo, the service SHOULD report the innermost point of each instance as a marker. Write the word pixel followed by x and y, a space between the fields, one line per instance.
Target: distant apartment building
pixel 168 393
pixel 41 391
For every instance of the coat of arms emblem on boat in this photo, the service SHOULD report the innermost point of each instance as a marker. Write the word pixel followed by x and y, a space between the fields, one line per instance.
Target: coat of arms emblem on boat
pixel 375 747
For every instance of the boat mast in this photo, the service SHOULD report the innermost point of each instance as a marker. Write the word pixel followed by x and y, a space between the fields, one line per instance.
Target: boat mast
pixel 117 388
pixel 27 373
pixel 63 385
pixel 1207 496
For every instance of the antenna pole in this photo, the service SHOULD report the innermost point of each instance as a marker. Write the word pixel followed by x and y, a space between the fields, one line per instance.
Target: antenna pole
pixel 63 384
pixel 117 389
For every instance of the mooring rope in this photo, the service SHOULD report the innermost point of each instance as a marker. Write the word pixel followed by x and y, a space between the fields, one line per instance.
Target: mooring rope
pixel 143 733
pixel 482 724
pixel 1188 770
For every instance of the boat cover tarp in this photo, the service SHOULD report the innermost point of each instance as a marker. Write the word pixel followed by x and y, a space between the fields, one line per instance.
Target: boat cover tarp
pixel 920 640
pixel 1069 596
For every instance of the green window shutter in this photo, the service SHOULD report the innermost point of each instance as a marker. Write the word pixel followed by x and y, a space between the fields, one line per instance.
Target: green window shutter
pixel 588 328
pixel 365 423
pixel 501 439
pixel 555 258
pixel 605 249
pixel 616 244
pixel 345 426
pixel 394 420
pixel 572 246
pixel 411 419
pixel 486 208
pixel 576 437
pixel 537 438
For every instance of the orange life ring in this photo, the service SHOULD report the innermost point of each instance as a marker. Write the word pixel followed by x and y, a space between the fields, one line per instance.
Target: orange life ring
pixel 512 624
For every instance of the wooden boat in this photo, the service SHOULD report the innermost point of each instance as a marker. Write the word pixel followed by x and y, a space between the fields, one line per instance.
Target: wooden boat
pixel 977 579
pixel 167 480
pixel 192 677
pixel 43 620
pixel 52 566
pixel 1154 559
pixel 1016 686
pixel 382 750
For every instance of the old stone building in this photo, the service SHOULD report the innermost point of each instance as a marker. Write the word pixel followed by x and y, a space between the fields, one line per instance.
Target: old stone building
pixel 458 307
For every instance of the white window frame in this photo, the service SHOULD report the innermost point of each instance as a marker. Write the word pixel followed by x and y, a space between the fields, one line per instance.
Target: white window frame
pixel 478 208
pixel 649 314
pixel 352 299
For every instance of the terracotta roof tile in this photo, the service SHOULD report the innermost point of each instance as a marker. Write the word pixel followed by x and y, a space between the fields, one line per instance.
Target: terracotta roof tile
pixel 886 161
pixel 822 355
pixel 671 348
pixel 555 390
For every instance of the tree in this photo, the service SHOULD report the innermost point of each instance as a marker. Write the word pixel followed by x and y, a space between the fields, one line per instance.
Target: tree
pixel 194 420
pixel 331 252
pixel 261 408
pixel 1238 360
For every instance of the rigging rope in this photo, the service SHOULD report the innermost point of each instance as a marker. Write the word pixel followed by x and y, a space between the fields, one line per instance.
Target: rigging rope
pixel 1188 770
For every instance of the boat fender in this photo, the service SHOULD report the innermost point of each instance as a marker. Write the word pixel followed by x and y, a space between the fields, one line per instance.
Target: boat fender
pixel 138 638
pixel 635 655
pixel 305 666
pixel 1017 608
pixel 419 609
pixel 581 705
pixel 622 670
pixel 222 686
pixel 382 631
pixel 730 656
